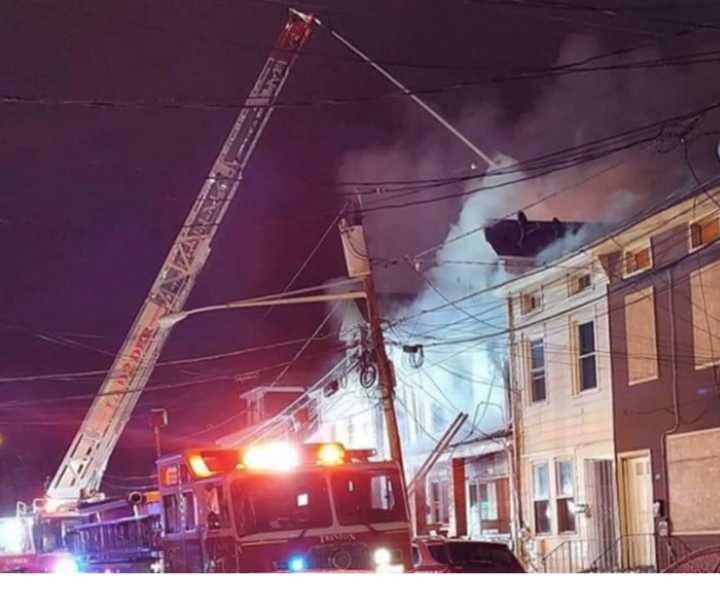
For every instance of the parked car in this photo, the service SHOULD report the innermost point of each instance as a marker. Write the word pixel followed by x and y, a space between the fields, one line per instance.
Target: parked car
pixel 446 555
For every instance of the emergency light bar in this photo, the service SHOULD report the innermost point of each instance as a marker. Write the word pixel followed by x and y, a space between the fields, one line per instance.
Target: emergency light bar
pixel 269 456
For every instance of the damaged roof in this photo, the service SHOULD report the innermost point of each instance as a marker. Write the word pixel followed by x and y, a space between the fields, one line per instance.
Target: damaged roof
pixel 528 238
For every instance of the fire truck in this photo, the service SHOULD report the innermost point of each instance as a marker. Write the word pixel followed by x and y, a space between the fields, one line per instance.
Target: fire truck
pixel 278 507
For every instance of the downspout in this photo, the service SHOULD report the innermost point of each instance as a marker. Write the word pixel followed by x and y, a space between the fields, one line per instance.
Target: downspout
pixel 676 403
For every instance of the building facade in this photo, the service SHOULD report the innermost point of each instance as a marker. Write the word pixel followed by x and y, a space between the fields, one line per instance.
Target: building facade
pixel 664 315
pixel 562 412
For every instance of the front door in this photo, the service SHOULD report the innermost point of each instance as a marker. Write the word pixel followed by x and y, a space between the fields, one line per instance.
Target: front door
pixel 600 494
pixel 638 545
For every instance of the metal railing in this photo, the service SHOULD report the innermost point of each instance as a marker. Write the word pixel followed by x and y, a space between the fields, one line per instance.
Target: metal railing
pixel 627 553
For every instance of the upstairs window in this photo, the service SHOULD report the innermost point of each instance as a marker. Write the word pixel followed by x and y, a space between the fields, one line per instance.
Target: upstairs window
pixel 531 302
pixel 579 282
pixel 537 370
pixel 704 231
pixel 640 337
pixel 637 259
pixel 587 358
pixel 704 290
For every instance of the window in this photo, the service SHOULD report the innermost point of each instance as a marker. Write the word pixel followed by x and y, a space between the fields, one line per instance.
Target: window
pixel 217 512
pixel 189 501
pixel 172 514
pixel 587 370
pixel 579 283
pixel 530 302
pixel 636 259
pixel 704 290
pixel 640 336
pixel 705 231
pixel 694 480
pixel 363 497
pixel 382 497
pixel 281 502
pixel 488 501
pixel 537 370
pixel 439 502
pixel 565 496
pixel 541 498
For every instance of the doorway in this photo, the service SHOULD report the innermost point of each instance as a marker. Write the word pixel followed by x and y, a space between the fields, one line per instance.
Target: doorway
pixel 638 544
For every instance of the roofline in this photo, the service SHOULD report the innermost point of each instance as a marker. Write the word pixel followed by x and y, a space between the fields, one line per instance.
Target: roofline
pixel 589 249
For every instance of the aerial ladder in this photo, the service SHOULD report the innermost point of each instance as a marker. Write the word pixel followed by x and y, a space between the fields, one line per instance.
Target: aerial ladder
pixel 80 474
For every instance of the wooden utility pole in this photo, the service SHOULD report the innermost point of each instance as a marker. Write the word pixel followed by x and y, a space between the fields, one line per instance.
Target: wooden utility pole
pixel 358 264
pixel 386 377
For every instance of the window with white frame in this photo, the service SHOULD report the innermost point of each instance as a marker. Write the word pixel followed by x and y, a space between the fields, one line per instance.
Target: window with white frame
pixel 537 369
pixel 565 497
pixel 637 259
pixel 586 356
pixel 541 497
pixel 704 231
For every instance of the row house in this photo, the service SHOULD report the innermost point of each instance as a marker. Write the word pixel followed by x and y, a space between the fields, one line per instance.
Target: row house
pixel 614 355
pixel 561 395
pixel 664 317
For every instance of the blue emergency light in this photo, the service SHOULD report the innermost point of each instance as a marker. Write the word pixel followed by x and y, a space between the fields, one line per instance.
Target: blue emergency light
pixel 297 563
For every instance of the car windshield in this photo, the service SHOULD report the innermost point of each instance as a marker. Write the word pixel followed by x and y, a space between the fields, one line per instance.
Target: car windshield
pixel 488 557
pixel 280 502
pixel 15 536
pixel 365 497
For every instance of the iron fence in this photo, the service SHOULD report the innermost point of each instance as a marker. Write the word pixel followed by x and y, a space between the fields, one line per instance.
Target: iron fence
pixel 628 553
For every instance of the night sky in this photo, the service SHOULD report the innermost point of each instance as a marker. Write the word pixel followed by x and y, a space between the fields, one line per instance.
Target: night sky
pixel 92 198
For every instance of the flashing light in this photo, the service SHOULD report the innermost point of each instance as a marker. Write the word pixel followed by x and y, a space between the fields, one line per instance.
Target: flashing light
pixel 331 454
pixel 12 536
pixel 274 456
pixel 297 563
pixel 66 565
pixel 199 466
pixel 382 557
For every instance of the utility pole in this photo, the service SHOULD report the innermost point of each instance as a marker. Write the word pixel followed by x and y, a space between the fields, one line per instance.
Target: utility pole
pixel 358 264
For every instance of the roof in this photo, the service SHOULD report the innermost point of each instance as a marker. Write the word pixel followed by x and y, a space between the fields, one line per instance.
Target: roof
pixel 528 238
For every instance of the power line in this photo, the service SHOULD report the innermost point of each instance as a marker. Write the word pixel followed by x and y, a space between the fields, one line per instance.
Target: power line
pixel 698 58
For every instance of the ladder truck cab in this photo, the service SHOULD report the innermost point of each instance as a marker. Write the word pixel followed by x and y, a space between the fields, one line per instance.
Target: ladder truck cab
pixel 281 507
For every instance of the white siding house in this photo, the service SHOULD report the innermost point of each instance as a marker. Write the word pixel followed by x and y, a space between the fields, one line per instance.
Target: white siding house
pixel 562 404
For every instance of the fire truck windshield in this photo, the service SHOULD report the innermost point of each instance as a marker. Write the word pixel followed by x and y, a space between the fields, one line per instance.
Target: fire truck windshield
pixel 365 497
pixel 297 500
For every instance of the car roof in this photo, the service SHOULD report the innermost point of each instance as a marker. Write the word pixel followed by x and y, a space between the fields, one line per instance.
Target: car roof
pixel 443 540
